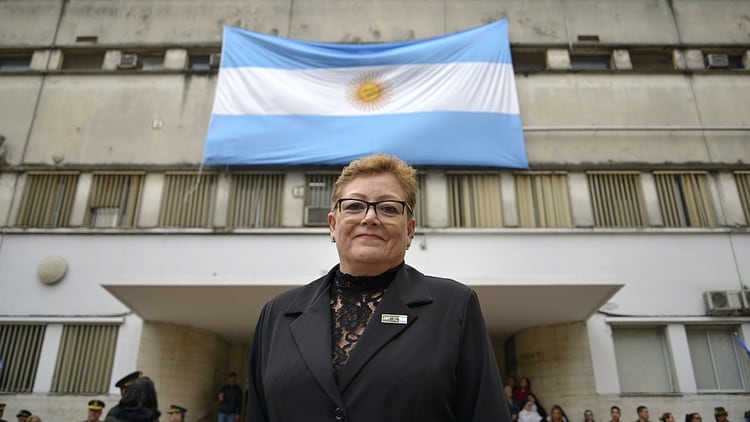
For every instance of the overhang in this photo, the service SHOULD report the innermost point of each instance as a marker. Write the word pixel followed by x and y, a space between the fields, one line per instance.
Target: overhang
pixel 231 311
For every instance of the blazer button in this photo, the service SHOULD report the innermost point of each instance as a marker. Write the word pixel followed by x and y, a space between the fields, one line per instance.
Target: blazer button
pixel 339 415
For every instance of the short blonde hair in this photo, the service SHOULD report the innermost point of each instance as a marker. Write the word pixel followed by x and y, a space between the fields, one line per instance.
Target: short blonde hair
pixel 379 164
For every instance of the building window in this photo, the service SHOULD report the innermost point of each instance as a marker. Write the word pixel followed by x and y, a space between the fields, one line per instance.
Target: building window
pixel 204 60
pixel 15 63
pixel 592 61
pixel 47 200
pixel 685 199
pixel 717 360
pixel 318 196
pixel 643 361
pixel 20 347
pixel 82 61
pixel 651 60
pixel 529 60
pixel 474 200
pixel 742 179
pixel 113 201
pixel 84 360
pixel 188 199
pixel 255 200
pixel 152 61
pixel 543 200
pixel 617 199
pixel 723 59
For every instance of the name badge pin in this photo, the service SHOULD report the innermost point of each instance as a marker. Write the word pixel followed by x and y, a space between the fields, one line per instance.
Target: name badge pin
pixel 393 319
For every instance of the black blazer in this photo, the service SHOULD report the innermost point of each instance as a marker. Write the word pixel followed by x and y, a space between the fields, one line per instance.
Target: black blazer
pixel 436 366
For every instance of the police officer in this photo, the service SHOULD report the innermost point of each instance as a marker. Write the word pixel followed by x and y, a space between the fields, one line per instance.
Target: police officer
pixel 123 384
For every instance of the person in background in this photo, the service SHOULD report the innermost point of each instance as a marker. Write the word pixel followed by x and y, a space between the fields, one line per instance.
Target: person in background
pixel 521 393
pixel 538 408
pixel 528 413
pixel 557 414
pixel 95 410
pixel 176 413
pixel 2 410
pixel 720 414
pixel 23 415
pixel 230 400
pixel 614 414
pixel 642 413
pixel 693 417
pixel 34 418
pixel 374 340
pixel 139 404
pixel 668 417
pixel 124 382
pixel 588 415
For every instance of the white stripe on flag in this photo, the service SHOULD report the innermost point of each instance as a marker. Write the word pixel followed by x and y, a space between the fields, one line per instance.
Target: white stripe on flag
pixel 474 87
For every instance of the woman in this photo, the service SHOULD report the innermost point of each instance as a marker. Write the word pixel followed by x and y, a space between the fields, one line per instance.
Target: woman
pixel 374 339
pixel 557 414
pixel 521 393
pixel 139 404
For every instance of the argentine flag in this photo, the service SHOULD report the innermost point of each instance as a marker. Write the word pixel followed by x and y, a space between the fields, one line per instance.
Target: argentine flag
pixel 444 101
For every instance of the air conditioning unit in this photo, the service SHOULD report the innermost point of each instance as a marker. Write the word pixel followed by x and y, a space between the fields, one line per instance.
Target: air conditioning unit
pixel 745 297
pixel 714 61
pixel 316 216
pixel 722 303
pixel 214 60
pixel 128 61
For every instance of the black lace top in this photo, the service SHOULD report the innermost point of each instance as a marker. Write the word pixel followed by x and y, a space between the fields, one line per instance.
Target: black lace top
pixel 353 301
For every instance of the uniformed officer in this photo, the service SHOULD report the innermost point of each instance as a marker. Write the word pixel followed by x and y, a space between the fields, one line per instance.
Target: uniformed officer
pixel 95 411
pixel 123 385
pixel 176 413
pixel 128 379
pixel 23 415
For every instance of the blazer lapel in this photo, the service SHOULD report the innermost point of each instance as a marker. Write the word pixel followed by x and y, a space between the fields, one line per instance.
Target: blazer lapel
pixel 407 289
pixel 311 331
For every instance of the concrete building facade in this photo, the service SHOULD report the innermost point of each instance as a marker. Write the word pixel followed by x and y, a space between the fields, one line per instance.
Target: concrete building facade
pixel 615 271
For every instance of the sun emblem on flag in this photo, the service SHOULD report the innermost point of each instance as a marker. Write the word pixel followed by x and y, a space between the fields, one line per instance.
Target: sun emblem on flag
pixel 369 91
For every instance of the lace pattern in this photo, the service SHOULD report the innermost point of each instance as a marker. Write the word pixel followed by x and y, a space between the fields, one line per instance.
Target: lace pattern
pixel 353 301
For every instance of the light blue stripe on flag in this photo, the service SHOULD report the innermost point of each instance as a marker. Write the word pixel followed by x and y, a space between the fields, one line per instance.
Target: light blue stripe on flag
pixel 449 100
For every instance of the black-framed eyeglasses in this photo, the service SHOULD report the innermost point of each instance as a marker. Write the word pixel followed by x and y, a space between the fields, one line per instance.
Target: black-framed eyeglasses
pixel 358 207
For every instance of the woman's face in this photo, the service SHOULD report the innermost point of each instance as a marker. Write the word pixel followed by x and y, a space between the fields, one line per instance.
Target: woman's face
pixel 370 244
pixel 556 415
pixel 528 406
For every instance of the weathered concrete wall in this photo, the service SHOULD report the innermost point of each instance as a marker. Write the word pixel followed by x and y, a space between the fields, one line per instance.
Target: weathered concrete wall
pixel 34 22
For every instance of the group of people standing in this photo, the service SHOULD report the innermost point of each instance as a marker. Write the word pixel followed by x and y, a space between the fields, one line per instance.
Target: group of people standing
pixel 525 407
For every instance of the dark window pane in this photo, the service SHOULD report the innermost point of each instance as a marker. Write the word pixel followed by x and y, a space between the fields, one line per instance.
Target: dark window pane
pixel 529 60
pixel 83 61
pixel 590 61
pixel 651 60
pixel 12 63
